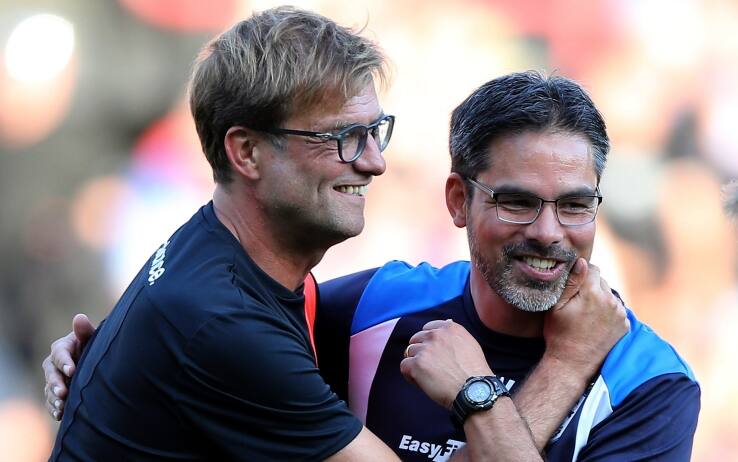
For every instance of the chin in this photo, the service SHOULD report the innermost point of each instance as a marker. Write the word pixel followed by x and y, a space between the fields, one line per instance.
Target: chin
pixel 333 235
pixel 530 306
pixel 526 294
pixel 533 304
pixel 530 299
pixel 350 228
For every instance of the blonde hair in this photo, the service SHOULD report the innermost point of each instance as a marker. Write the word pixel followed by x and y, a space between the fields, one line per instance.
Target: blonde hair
pixel 267 68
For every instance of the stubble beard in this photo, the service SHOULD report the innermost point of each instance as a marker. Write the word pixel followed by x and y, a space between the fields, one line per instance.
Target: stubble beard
pixel 531 295
pixel 324 228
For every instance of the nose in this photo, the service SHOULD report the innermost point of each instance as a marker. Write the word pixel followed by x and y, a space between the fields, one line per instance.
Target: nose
pixel 371 161
pixel 546 229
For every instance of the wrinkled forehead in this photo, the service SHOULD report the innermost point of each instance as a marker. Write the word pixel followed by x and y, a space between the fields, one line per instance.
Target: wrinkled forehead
pixel 542 162
pixel 336 110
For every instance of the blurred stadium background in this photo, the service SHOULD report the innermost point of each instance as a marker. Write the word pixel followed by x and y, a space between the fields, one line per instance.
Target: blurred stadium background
pixel 99 161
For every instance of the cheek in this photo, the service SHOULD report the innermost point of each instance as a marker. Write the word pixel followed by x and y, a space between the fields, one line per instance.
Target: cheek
pixel 583 239
pixel 490 233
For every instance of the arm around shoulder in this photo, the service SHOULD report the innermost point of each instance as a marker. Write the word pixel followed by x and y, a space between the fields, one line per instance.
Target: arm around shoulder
pixel 251 388
pixel 655 422
pixel 366 447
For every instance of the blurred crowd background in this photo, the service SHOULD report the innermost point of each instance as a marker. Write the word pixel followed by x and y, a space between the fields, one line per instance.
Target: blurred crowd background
pixel 99 161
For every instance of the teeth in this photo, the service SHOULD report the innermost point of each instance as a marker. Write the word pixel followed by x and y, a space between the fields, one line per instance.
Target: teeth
pixel 355 190
pixel 540 263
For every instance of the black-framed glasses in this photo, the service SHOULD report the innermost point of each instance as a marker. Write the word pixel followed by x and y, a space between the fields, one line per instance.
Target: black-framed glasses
pixel 524 209
pixel 352 139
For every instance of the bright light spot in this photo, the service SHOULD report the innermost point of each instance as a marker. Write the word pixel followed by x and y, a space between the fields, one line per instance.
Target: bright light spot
pixel 39 48
pixel 148 214
pixel 672 33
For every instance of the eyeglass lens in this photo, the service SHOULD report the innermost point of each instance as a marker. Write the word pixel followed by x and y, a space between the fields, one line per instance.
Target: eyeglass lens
pixel 523 208
pixel 353 141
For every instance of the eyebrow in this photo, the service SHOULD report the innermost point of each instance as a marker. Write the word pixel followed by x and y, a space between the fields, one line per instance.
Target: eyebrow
pixel 513 189
pixel 341 124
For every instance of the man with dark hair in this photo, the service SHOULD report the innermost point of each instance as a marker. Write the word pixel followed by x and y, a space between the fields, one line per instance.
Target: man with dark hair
pixel 527 156
pixel 530 308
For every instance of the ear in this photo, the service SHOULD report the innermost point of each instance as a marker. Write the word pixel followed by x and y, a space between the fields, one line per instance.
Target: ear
pixel 456 199
pixel 240 144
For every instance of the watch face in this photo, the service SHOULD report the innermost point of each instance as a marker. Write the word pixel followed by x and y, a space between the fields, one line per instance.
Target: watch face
pixel 478 391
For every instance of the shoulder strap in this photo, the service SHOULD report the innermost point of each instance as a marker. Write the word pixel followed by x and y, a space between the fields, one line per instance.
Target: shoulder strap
pixel 310 304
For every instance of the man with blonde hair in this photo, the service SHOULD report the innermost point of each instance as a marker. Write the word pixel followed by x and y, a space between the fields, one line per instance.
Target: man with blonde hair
pixel 207 355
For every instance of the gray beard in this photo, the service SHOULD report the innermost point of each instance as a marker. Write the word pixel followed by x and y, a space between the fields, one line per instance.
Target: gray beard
pixel 530 295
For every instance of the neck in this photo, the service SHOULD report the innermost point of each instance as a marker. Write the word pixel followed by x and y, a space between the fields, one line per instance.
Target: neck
pixel 498 315
pixel 260 239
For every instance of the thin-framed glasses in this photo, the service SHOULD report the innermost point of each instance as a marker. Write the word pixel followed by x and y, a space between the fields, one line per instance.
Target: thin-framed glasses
pixel 352 139
pixel 524 209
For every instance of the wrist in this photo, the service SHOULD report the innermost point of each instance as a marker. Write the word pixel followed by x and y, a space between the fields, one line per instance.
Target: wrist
pixel 499 411
pixel 462 377
pixel 479 393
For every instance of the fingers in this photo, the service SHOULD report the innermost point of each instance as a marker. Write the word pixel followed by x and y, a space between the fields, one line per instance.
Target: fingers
pixel 588 279
pixel 626 321
pixel 428 328
pixel 61 354
pixel 54 412
pixel 59 365
pixel 54 378
pixel 418 337
pixel 428 332
pixel 82 328
pixel 437 324
pixel 579 272
pixel 577 276
pixel 54 390
pixel 623 313
pixel 413 348
pixel 407 371
pixel 406 354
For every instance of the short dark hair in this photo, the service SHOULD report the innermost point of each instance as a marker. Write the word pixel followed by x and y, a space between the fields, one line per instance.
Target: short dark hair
pixel 268 67
pixel 518 103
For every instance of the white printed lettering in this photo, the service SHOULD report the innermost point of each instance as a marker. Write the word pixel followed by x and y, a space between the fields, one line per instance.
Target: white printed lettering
pixel 451 446
pixel 405 441
pixel 157 265
pixel 436 452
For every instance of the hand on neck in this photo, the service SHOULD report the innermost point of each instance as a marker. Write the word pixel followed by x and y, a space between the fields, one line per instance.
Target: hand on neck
pixel 498 315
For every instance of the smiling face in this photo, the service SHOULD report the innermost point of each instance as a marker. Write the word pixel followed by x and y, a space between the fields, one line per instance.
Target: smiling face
pixel 528 265
pixel 309 193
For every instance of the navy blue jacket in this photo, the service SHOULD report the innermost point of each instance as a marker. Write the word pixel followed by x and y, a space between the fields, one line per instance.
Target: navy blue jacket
pixel 642 406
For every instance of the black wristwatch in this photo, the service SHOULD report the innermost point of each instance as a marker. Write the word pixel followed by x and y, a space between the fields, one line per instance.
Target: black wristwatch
pixel 477 394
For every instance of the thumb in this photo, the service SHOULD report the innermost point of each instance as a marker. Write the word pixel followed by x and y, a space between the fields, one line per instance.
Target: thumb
pixel 577 275
pixel 82 328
